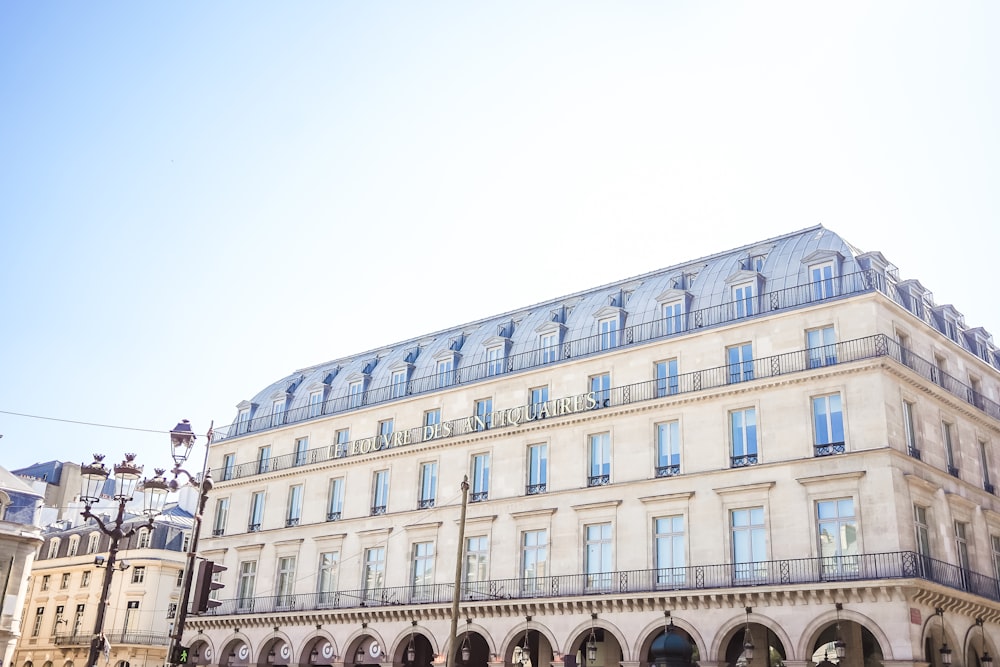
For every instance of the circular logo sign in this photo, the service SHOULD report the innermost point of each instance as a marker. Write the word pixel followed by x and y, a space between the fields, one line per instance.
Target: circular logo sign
pixel 286 652
pixel 244 652
pixel 374 650
pixel 208 653
pixel 327 650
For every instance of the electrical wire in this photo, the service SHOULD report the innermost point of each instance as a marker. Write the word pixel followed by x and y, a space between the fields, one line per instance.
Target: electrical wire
pixel 82 423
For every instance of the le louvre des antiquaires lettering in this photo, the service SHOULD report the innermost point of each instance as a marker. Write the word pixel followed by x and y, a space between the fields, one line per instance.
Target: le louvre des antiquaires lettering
pixel 512 417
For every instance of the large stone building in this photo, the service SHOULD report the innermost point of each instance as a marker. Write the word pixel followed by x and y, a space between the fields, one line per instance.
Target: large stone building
pixel 20 535
pixel 783 446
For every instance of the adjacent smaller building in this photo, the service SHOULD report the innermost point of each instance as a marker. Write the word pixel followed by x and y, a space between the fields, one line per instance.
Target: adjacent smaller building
pixel 20 536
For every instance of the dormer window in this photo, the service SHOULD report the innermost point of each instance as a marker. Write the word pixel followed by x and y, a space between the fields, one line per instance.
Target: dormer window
pixel 445 372
pixel 74 545
pixel 548 344
pixel 93 541
pixel 53 547
pixel 143 541
pixel 821 280
pixel 673 317
pixel 608 330
pixel 355 392
pixel 315 403
pixel 243 421
pixel 494 360
pixel 278 412
pixel 743 300
pixel 397 384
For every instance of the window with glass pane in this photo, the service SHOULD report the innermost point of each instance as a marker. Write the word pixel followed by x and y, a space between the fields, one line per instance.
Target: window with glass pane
pixel 432 417
pixel 538 400
pixel 256 511
pixel 962 549
pixel 838 536
pixel 58 620
pixel 598 563
pixel 374 576
pixel 995 544
pixel 984 463
pixel 494 361
pixel 743 300
pixel 245 585
pixel 294 514
pixel 301 447
pixel 131 615
pixel 549 346
pixel 221 516
pixel 821 276
pixel 538 464
pixel 445 372
pixel 278 413
pixel 743 435
pixel 822 345
pixel 138 574
pixel 669 551
pixel 668 449
pixel 476 571
pixel 534 559
pixel 327 577
pixel 380 492
pixel 315 403
pixel 828 425
pixel 343 438
pixel 667 381
pixel 285 582
pixel 355 393
pixel 243 421
pixel 908 431
pixel 423 570
pixel 922 534
pixel 397 384
pixel 428 484
pixel 600 387
pixel 385 429
pixel 335 504
pixel 608 329
pixel 600 459
pixel 263 459
pixel 484 413
pixel 480 478
pixel 36 627
pixel 673 317
pixel 740 360
pixel 749 546
pixel 78 619
pixel 949 450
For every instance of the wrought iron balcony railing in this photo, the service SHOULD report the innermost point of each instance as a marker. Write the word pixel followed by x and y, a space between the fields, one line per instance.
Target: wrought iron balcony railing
pixel 116 637
pixel 833 570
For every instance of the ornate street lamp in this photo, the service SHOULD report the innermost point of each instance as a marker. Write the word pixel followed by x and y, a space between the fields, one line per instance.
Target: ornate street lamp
pixel 411 650
pixel 592 641
pixel 944 650
pixel 93 478
pixel 747 639
pixel 839 645
pixel 466 649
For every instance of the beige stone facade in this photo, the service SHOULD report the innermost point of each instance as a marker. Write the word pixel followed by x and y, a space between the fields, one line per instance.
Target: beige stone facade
pixel 800 453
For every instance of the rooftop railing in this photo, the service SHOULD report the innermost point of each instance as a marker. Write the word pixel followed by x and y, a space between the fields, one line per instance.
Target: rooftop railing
pixel 798 361
pixel 833 570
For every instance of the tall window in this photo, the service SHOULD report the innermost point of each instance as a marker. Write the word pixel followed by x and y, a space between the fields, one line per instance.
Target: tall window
pixel 822 345
pixel 480 477
pixel 749 546
pixel 838 536
pixel 828 424
pixel 36 627
pixel 600 387
pixel 385 429
pixel 53 547
pixel 141 543
pixel 949 449
pixel 484 413
pixel 673 317
pixel 477 552
pixel 78 619
pixel 93 542
pixel 539 397
pixel 245 585
pixel 494 361
pixel 58 620
pixel 821 277
pixel 131 615
pixel 45 581
pixel 549 346
pixel 397 384
pixel 445 372
pixel 335 504
pixel 278 412
pixel 428 484
pixel 139 574
pixel 668 449
pixel 284 584
pixel 534 558
pixel 343 438
pixel 909 433
pixel 743 300
pixel 294 514
pixel 598 563
pixel 608 329
pixel 921 531
pixel 64 583
pixel 74 544
pixel 538 464
pixel 221 516
pixel 243 421
pixel 432 417
pixel 301 447
pixel 666 377
pixel 355 394
pixel 315 403
pixel 740 360
pixel 423 570
pixel 374 568
pixel 962 549
pixel 984 463
pixel 600 459
pixel 85 579
pixel 327 576
pixel 668 538
pixel 380 492
pixel 256 511
pixel 995 544
pixel 263 459
pixel 743 436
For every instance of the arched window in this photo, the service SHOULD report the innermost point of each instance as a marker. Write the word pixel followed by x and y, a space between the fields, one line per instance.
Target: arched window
pixel 4 504
pixel 93 542
pixel 53 547
pixel 143 541
pixel 74 545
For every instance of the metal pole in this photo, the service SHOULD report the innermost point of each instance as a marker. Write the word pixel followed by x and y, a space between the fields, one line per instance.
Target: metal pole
pixel 458 574
pixel 205 486
pixel 97 643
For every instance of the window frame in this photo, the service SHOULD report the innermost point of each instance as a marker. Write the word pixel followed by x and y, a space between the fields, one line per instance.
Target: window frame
pixel 599 459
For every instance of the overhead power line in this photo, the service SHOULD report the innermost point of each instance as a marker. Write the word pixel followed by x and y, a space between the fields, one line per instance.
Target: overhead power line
pixel 82 423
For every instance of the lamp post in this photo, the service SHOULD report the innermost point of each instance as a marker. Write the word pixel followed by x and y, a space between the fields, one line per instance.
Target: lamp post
pixel 181 441
pixel 126 475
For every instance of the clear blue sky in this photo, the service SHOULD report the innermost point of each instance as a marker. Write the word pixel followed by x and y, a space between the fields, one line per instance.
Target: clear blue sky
pixel 198 198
